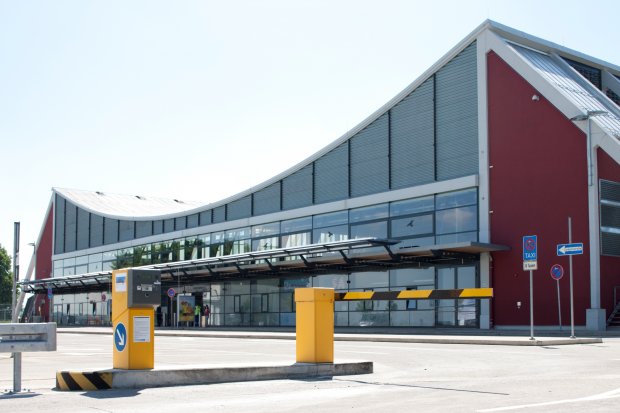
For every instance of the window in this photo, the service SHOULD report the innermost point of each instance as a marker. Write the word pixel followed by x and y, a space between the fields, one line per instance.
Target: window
pixel 330 234
pixel 456 220
pixel 412 304
pixel 333 218
pixel 412 206
pixel 456 199
pixel 370 213
pixel 412 226
pixel 264 303
pixel 610 218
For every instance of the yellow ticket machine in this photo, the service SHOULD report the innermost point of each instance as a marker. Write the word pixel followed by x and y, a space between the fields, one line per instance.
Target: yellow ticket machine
pixel 135 294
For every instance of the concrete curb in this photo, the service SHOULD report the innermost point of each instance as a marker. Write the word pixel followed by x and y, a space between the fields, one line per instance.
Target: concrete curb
pixel 481 340
pixel 162 377
pixel 390 338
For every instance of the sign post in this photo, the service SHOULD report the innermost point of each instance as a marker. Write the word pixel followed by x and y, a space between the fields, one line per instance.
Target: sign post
pixel 530 256
pixel 557 271
pixel 570 249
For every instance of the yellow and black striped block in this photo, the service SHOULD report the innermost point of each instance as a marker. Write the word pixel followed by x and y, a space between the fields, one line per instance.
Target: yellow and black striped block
pixel 81 380
pixel 416 294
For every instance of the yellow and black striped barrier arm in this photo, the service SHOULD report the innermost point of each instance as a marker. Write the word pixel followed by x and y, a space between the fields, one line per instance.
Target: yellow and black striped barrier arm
pixel 79 380
pixel 416 294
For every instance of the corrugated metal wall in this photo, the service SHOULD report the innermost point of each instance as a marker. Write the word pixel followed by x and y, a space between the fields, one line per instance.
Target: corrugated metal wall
pixel 169 225
pixel 456 116
pixel 110 231
pixel 370 166
pixel 126 230
pixel 205 217
pixel 83 229
pixel 180 223
pixel 331 175
pixel 144 229
pixel 297 189
pixel 413 138
pixel 59 231
pixel 219 214
pixel 96 230
pixel 193 221
pixel 70 226
pixel 241 208
pixel 267 200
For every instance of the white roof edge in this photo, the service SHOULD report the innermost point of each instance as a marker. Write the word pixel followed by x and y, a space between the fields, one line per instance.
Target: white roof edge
pixel 541 44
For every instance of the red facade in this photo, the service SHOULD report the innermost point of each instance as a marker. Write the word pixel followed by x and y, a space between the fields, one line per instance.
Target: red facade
pixel 44 267
pixel 608 169
pixel 538 178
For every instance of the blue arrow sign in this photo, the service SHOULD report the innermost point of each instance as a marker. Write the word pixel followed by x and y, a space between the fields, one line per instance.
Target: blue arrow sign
pixel 570 249
pixel 120 337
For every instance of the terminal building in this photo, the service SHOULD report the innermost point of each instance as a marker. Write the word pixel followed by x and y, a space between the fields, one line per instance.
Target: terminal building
pixel 506 136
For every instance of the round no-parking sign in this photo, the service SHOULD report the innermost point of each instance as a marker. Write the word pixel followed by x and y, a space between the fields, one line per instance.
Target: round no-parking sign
pixel 556 271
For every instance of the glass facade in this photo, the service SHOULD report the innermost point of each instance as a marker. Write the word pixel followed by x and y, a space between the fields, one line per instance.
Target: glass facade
pixel 270 302
pixel 441 219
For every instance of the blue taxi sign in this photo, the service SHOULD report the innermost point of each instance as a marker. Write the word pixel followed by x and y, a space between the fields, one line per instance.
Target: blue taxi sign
pixel 530 248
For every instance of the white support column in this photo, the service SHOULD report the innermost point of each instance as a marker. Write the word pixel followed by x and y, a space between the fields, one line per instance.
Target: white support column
pixel 485 305
pixel 595 315
pixel 484 233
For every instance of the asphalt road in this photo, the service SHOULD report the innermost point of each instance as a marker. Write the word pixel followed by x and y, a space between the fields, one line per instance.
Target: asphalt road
pixel 408 377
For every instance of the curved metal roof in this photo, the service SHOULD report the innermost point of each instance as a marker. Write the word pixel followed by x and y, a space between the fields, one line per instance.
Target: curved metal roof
pixel 126 206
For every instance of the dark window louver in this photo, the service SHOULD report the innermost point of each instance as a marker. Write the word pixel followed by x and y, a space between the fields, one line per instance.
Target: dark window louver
pixel 613 96
pixel 592 74
pixel 610 218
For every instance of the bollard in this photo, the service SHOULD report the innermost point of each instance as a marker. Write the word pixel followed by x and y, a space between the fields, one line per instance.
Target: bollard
pixel 315 325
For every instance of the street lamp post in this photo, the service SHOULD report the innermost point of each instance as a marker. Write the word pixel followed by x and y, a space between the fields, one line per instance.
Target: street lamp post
pixel 593 315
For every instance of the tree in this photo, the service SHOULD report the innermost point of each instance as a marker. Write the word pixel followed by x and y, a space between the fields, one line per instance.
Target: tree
pixel 6 277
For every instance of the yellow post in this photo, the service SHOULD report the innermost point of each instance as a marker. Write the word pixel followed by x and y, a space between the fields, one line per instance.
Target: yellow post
pixel 135 293
pixel 315 325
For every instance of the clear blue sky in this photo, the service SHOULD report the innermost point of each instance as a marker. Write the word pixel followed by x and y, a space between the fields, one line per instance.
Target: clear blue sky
pixel 203 99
